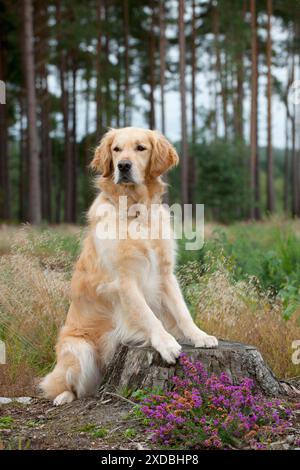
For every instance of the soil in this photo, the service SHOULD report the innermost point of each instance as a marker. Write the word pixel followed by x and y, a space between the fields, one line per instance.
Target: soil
pixel 40 425
pixel 99 424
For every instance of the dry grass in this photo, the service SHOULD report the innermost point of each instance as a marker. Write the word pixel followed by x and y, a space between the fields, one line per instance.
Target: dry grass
pixel 33 305
pixel 239 311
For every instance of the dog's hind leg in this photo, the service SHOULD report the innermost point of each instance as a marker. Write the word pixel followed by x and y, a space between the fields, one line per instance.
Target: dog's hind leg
pixel 76 373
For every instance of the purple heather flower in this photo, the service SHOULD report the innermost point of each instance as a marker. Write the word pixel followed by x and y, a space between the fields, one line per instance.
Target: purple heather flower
pixel 175 415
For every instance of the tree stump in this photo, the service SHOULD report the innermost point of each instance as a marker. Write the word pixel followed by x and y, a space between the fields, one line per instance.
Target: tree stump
pixel 134 368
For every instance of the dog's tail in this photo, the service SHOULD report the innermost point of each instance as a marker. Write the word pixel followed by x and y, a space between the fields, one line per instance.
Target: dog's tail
pixel 76 370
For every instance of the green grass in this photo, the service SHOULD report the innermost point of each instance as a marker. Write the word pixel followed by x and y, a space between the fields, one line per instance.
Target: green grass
pixel 269 252
pixel 94 431
pixel 130 433
pixel 6 422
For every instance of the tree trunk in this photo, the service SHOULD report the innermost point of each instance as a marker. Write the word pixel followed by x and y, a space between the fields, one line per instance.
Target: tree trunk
pixel 69 176
pixel 41 20
pixel 108 104
pixel 239 128
pixel 162 69
pixel 297 122
pixel 152 67
pixel 87 125
pixel 286 169
pixel 270 177
pixel 126 117
pixel 34 190
pixel 254 160
pixel 67 140
pixel 99 98
pixel 294 165
pixel 23 165
pixel 240 98
pixel 162 79
pixel 46 152
pixel 74 143
pixel 135 368
pixel 4 173
pixel 118 91
pixel 184 141
pixel 192 162
pixel 194 70
pixel 216 32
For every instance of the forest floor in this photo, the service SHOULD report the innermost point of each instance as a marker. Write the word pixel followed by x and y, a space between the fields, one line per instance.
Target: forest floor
pixel 83 424
pixel 91 424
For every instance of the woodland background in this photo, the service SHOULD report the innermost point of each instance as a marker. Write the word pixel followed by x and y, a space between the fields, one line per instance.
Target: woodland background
pixel 72 69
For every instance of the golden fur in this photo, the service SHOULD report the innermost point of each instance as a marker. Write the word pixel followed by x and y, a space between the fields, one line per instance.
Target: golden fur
pixel 122 290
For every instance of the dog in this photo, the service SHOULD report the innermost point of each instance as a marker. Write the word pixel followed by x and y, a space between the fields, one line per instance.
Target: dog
pixel 123 289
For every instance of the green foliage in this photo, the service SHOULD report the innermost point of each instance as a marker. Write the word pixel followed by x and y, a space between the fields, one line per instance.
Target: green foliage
pixel 6 422
pixel 221 168
pixel 270 254
pixel 99 433
pixel 130 433
pixel 142 393
pixel 94 431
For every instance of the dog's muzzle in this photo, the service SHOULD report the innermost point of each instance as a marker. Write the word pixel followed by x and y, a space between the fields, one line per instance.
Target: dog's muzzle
pixel 124 172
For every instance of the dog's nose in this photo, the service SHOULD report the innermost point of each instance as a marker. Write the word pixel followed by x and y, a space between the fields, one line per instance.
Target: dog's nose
pixel 124 165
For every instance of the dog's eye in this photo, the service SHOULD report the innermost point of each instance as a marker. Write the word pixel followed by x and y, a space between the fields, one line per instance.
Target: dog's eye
pixel 140 148
pixel 117 149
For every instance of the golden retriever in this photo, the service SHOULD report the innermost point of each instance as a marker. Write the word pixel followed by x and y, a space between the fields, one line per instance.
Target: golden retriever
pixel 123 288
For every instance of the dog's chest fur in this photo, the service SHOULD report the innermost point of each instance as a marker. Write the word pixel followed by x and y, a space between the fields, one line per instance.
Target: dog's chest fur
pixel 144 258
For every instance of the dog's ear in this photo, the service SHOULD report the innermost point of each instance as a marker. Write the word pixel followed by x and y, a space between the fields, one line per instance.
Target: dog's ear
pixel 164 155
pixel 102 161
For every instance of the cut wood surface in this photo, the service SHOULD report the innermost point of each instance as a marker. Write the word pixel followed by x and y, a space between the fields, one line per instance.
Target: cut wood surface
pixel 142 367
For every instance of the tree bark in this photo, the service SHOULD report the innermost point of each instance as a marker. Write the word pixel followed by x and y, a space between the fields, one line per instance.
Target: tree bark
pixel 270 176
pixel 239 128
pixel 219 71
pixel 294 166
pixel 87 124
pixel 99 98
pixel 46 152
pixel 297 123
pixel 118 91
pixel 108 104
pixel 162 79
pixel 74 142
pixel 4 172
pixel 286 169
pixel 23 165
pixel 34 199
pixel 42 59
pixel 69 174
pixel 126 117
pixel 135 368
pixel 184 141
pixel 152 123
pixel 162 54
pixel 194 70
pixel 192 162
pixel 254 158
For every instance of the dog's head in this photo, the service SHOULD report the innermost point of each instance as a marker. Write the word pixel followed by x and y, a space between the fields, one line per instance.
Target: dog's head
pixel 132 155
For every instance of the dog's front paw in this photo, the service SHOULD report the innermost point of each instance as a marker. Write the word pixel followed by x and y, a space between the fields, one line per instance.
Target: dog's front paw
pixel 167 347
pixel 203 340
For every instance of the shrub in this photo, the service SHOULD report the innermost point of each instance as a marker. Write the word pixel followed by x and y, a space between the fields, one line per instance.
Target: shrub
pixel 212 413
